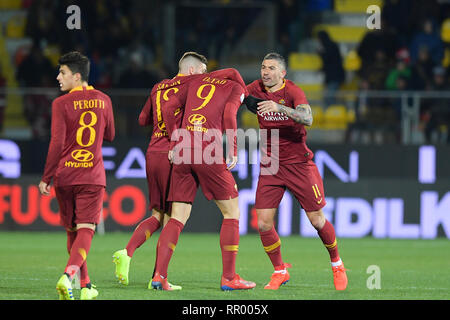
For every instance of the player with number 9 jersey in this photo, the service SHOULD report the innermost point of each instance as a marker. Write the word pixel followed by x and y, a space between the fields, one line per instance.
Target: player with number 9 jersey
pixel 158 167
pixel 210 107
pixel 210 110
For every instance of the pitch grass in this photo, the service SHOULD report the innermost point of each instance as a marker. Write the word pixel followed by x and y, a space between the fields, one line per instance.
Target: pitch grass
pixel 31 263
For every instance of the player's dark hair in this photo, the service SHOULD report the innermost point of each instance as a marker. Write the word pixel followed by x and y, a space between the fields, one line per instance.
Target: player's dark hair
pixel 194 54
pixel 276 56
pixel 77 63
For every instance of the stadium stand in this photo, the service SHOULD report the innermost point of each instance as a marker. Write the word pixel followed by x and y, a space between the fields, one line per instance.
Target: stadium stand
pixel 121 30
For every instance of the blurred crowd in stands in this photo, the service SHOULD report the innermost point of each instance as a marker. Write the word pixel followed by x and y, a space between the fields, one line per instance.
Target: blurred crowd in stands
pixel 124 41
pixel 407 53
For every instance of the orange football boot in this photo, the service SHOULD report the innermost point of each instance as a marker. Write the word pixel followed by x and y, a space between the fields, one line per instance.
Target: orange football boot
pixel 279 277
pixel 160 283
pixel 237 283
pixel 339 277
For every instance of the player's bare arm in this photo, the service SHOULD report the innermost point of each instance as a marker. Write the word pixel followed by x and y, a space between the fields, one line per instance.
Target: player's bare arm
pixel 301 114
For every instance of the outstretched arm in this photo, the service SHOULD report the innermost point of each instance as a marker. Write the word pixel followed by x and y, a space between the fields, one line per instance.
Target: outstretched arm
pixel 301 114
pixel 230 124
pixel 252 103
pixel 232 74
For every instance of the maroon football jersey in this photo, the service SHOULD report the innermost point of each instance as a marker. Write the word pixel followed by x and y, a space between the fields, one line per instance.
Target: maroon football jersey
pixel 292 135
pixel 210 107
pixel 81 120
pixel 152 112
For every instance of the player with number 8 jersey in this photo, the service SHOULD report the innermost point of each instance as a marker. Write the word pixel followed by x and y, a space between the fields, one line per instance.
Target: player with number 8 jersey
pixel 81 120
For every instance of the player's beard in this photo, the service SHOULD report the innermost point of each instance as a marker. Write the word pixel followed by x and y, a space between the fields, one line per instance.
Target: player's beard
pixel 271 83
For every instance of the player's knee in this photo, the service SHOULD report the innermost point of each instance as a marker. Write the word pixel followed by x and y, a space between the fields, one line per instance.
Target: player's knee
pixel 229 208
pixel 264 224
pixel 159 215
pixel 231 214
pixel 317 219
pixel 181 211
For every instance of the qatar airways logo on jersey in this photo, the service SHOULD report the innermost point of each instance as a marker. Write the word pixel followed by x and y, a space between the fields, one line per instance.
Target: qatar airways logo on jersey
pixel 273 116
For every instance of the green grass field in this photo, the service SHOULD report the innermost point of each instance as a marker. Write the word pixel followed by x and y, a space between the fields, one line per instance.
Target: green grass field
pixel 31 263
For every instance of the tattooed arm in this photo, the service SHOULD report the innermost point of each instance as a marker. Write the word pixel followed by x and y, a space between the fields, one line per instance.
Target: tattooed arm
pixel 301 114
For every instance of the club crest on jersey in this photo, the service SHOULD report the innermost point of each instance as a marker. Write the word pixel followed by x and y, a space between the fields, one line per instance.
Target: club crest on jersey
pixel 282 101
pixel 82 155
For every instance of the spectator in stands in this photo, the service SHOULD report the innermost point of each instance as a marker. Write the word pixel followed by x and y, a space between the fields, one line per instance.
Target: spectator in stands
pixel 422 71
pixel 430 38
pixel 393 12
pixel 419 11
pixel 136 76
pixel 33 67
pixel 139 48
pixel 332 66
pixel 385 39
pixel 402 69
pixel 394 105
pixel 40 23
pixel 375 118
pixel 36 70
pixel 439 108
pixel 288 25
pixel 376 73
pixel 399 79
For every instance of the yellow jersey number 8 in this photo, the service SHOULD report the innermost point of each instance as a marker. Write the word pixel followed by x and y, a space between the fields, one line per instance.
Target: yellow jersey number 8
pixel 89 126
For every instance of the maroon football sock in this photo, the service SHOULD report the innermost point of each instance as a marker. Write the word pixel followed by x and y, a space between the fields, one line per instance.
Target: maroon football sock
pixel 71 235
pixel 229 245
pixel 167 242
pixel 79 251
pixel 84 277
pixel 272 245
pixel 328 237
pixel 143 231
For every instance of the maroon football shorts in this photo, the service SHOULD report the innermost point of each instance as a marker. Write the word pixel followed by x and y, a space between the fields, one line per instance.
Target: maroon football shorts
pixel 302 179
pixel 80 204
pixel 215 180
pixel 158 170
